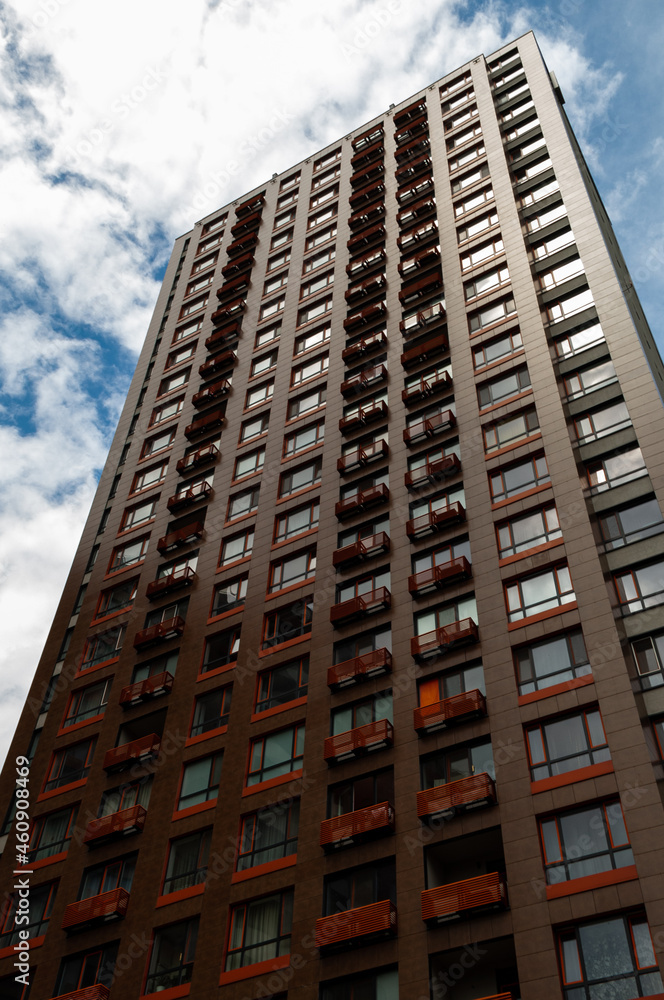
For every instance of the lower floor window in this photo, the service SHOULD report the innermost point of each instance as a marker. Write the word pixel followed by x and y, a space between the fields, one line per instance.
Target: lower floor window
pixel 200 781
pixel 585 842
pixel 172 960
pixel 269 835
pixel 41 903
pixel 88 968
pixel 276 754
pixel 187 861
pixel 534 594
pixel 260 930
pixel 609 958
pixel 368 986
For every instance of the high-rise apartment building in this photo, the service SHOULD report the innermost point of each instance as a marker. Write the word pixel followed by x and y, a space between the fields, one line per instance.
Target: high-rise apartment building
pixel 388 475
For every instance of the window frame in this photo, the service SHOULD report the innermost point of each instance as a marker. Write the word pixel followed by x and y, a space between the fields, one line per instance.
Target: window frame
pixel 550 764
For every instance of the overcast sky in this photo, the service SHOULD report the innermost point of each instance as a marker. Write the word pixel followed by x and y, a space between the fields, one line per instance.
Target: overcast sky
pixel 119 124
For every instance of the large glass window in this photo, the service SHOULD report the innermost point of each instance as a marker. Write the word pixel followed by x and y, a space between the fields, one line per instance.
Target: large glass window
pixel 501 389
pixel 236 547
pixel 229 595
pixel 221 649
pixel 649 657
pixel 374 708
pixel 288 622
pixel 589 379
pixel 615 470
pixel 70 764
pixel 311 400
pixel 285 683
pixel 435 689
pixel 102 647
pixel 249 463
pixel 455 763
pixel 260 930
pixel 259 394
pixel 609 958
pixel 491 314
pixel 585 842
pixel 200 780
pixel 305 437
pixel 117 599
pixel 187 861
pixel 514 479
pixel 172 958
pixel 540 592
pixel 293 569
pixel 276 754
pixel 133 516
pixel 128 554
pixel 447 614
pixel 360 887
pixel 640 588
pixel 87 703
pixel 379 985
pixel 300 478
pixel 269 835
pixel 523 533
pixel 597 424
pixel 631 524
pixel 314 338
pixel 211 710
pixel 87 968
pixel 510 430
pixel 38 914
pixel 117 874
pixel 241 504
pixel 566 744
pixel 51 834
pixel 295 522
pixel 556 660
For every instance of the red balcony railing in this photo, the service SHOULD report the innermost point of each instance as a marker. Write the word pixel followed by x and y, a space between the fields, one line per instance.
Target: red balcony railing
pixel 238 265
pixel 366 139
pixel 176 580
pixel 133 752
pixel 429 427
pixel 366 316
pixel 359 668
pixel 449 902
pixel 224 336
pixel 208 453
pixel 427 386
pixel 353 827
pixel 118 824
pixel 246 224
pixel 366 195
pixel 357 925
pixel 365 155
pixel 442 468
pixel 425 350
pixel 229 310
pixel 359 457
pixel 404 195
pixel 223 360
pixel 422 234
pixel 168 629
pixel 371 259
pixel 363 379
pixel 436 520
pixel 411 169
pixel 242 245
pixel 366 215
pixel 418 261
pixel 439 576
pixel 96 992
pixel 361 606
pixel 442 639
pixel 359 741
pixel 456 796
pixel 106 906
pixel 181 536
pixel 409 124
pixel 211 392
pixel 367 287
pixel 250 205
pixel 416 289
pixel 360 347
pixel 366 237
pixel 362 415
pixel 208 422
pixel 232 286
pixel 151 687
pixel 499 996
pixel 457 708
pixel 407 216
pixel 179 501
pixel 414 148
pixel 362 500
pixel 362 549
pixel 370 173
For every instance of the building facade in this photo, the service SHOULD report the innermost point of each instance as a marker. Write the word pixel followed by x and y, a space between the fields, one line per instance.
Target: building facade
pixel 356 688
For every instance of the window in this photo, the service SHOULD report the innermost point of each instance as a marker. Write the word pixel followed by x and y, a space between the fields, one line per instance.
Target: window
pixel 579 340
pixel 70 764
pixel 323 179
pixel 476 227
pixel 255 427
pixel 322 236
pixel 149 477
pixel 158 443
pixel 360 887
pixel 117 599
pixel 166 663
pixel 471 178
pixel 287 199
pixel 51 834
pixel 457 762
pixel 289 181
pixel 363 585
pixel 610 957
pixel 533 170
pixel 467 157
pixel 284 218
pixel 360 793
pixel 315 310
pixel 38 914
pixel 323 196
pixel 640 520
pixel 134 793
pixel 589 379
pixel 433 690
pixel 268 835
pixel 315 338
pixel 118 874
pixel 379 985
pixel 128 554
pixel 87 703
pixel 166 411
pixel 291 570
pixel 275 755
pixel 221 649
pixel 281 239
pixel 236 547
pixel 447 614
pixel 473 201
pixel 541 190
pixel 198 284
pixel 242 504
pixel 640 588
pixel 249 463
pixel 658 728
pixel 649 657
pixel 440 501
pixel 174 382
pixel 259 394
pixel 360 713
pixel 317 366
pixel 585 842
pixel 570 306
pixel 102 647
pixel 267 335
pixel 211 710
pixel 305 437
pixel 206 262
pixel 601 422
pixel 87 969
pixel 456 549
pixel 566 744
pixel 478 255
pixel 172 958
pixel 264 364
pixel 316 284
pixel 274 284
pixel 366 530
pixel 288 622
pixel 563 272
pixel 506 432
pixel 300 478
pixel 324 257
pixel 187 331
pixel 615 470
pixel 540 592
pixel 133 516
pixel 495 350
pixel 501 389
pixel 523 533
pixel 260 930
pixel 194 306
pixel 556 660
pixel 296 522
pixel 285 683
pixel 230 595
pixel 278 260
pixel 491 314
pixel 178 609
pixel 200 780
pixel 551 245
pixel 187 861
pixel 271 308
pixel 324 215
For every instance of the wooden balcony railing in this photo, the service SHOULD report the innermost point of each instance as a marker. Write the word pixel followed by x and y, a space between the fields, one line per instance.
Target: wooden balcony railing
pixel 181 536
pixel 168 629
pixel 223 360
pixel 229 310
pixel 118 824
pixel 456 796
pixel 208 453
pixel 445 638
pixel 106 906
pixel 363 346
pixel 357 742
pixel 117 758
pixel 366 155
pixel 224 336
pixel 363 379
pixel 428 386
pixel 359 668
pixel 456 708
pixel 429 427
pixel 449 902
pixel 361 606
pixel 359 457
pixel 412 168
pixel 363 415
pixel 439 576
pixel 425 350
pixel 363 923
pixel 371 259
pixel 96 992
pixel 215 418
pixel 362 500
pixel 436 520
pixel 353 827
pixel 211 392
pixel 367 287
pixel 361 177
pixel 442 468
pixel 239 264
pixel 372 314
pixel 143 690
pixel 366 215
pixel 186 498
pixel 176 580
pixel 416 289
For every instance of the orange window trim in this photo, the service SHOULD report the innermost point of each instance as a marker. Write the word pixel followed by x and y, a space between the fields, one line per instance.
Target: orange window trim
pixel 507 400
pixel 287 590
pixel 172 994
pixel 193 810
pixel 34 943
pixel 551 613
pixel 277 709
pixel 65 730
pixel 571 887
pixel 511 447
pixel 571 777
pixel 575 682
pixel 217 670
pixel 192 740
pixel 175 897
pixel 61 789
pixel 264 869
pixel 281 779
pixel 52 860
pixel 257 969
pixel 285 645
pixel 531 552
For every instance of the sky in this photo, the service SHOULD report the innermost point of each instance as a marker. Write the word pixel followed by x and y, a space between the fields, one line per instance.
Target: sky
pixel 123 124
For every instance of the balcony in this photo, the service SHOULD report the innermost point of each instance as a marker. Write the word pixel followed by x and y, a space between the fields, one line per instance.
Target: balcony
pixel 115 825
pixel 436 520
pixel 416 147
pixel 429 427
pixel 407 117
pixel 247 223
pixel 363 380
pixel 355 827
pixel 177 580
pixel 363 346
pixel 370 286
pixel 169 629
pixel 424 186
pixel 368 138
pixel 366 237
pixel 359 668
pixel 409 215
pixel 361 501
pixel 366 195
pixel 224 336
pixel 366 316
pixel 371 259
pixel 358 742
pixel 430 347
pixel 418 289
pixel 431 472
pixel 360 606
pixel 358 926
pixel 457 708
pixel 459 899
pixel 358 458
pixel 182 536
pixel 250 205
pixel 370 173
pixel 242 245
pixel 440 576
pixel 135 752
pixel 245 262
pixel 96 992
pixel 210 393
pixel 99 909
pixel 151 687
pixel 365 216
pixel 442 640
pixel 427 386
pixel 224 360
pixel 412 169
pixel 421 260
pixel 180 501
pixel 208 422
pixel 365 156
pixel 363 415
pixel 208 453
pixel 421 235
pixel 229 311
pixel 232 286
